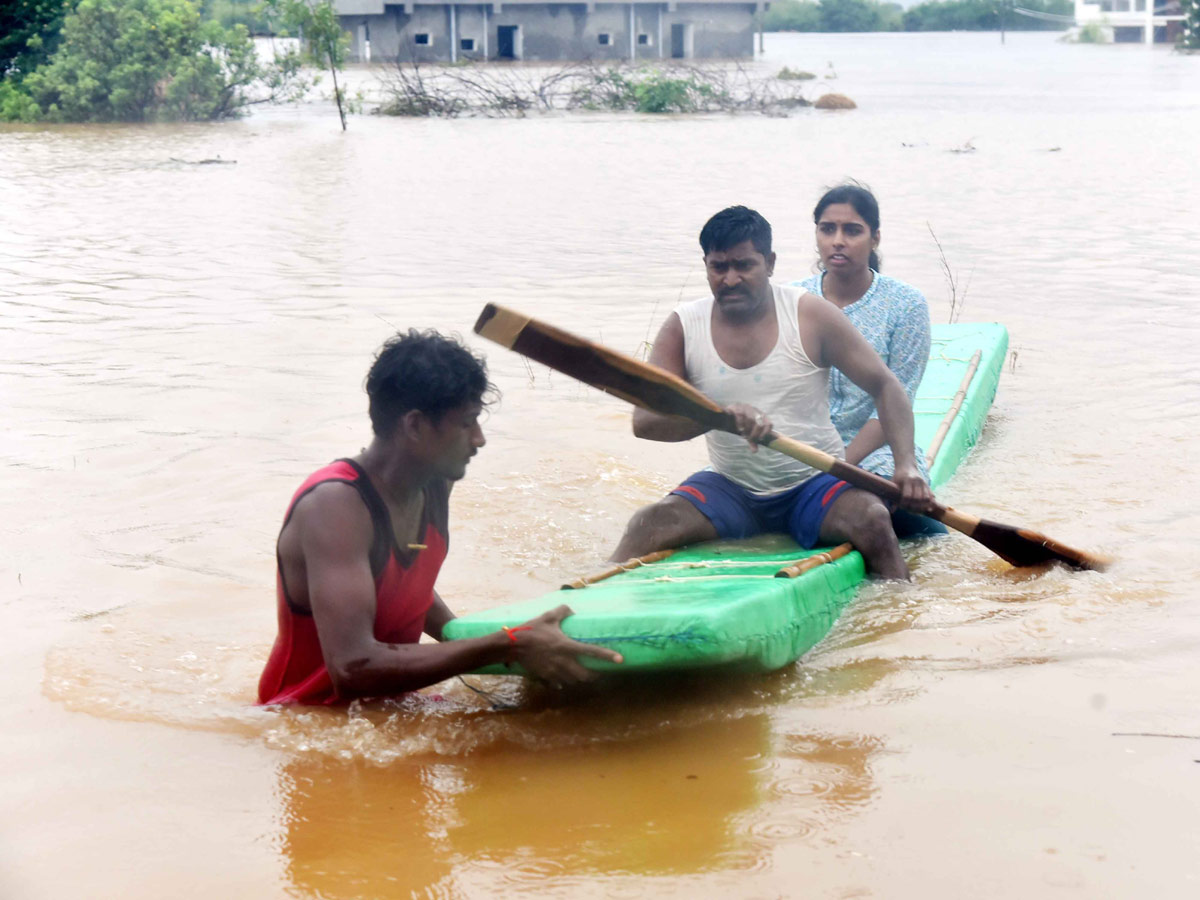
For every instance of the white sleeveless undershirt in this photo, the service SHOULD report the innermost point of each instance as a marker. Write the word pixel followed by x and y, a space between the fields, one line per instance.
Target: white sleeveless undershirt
pixel 787 386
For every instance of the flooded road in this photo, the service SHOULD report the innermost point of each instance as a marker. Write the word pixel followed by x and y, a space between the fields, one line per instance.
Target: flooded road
pixel 180 345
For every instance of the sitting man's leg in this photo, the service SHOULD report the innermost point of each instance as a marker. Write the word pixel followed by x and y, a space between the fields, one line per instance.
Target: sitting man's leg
pixel 671 522
pixel 705 507
pixel 863 519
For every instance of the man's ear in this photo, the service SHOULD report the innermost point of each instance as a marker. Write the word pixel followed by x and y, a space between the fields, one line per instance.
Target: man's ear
pixel 770 263
pixel 411 425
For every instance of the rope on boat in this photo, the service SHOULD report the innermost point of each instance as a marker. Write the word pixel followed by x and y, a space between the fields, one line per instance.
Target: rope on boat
pixel 616 569
pixel 674 579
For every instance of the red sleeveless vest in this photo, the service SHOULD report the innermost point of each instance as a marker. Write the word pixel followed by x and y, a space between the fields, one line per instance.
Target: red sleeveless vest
pixel 295 671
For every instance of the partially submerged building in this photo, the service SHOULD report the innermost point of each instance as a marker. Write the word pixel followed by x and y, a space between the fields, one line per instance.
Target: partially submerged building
pixel 1134 21
pixel 418 31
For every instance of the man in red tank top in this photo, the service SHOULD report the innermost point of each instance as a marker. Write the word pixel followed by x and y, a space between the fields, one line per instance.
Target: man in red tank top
pixel 364 538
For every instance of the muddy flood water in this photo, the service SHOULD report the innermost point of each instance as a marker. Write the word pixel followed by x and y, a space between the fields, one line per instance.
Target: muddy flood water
pixel 180 345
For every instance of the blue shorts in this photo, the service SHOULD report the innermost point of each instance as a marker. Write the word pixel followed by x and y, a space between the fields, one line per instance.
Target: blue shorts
pixel 738 513
pixel 910 525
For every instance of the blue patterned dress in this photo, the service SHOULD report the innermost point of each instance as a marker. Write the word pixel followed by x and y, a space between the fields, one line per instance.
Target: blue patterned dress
pixel 894 318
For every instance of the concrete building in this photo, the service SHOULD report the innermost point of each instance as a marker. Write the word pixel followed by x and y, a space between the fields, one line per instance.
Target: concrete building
pixel 448 32
pixel 1135 21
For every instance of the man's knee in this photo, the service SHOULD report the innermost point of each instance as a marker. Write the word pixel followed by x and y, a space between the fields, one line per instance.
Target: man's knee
pixel 669 515
pixel 872 527
pixel 671 522
pixel 860 518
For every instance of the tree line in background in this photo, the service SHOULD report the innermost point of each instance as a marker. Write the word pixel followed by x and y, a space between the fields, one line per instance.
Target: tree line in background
pixel 156 60
pixel 932 15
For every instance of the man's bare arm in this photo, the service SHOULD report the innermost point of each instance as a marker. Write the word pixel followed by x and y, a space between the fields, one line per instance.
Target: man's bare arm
pixel 667 353
pixel 842 346
pixel 335 538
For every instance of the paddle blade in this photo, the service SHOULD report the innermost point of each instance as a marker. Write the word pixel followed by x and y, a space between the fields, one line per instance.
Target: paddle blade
pixel 623 376
pixel 1023 547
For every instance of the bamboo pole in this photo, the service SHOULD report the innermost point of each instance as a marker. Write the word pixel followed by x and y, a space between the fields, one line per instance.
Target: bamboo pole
pixel 616 569
pixel 808 563
pixel 944 429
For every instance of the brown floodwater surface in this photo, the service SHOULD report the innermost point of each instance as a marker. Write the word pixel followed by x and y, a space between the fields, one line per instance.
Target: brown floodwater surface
pixel 180 345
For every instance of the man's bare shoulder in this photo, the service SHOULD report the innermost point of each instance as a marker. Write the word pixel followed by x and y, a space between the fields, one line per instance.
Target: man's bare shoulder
pixel 808 303
pixel 332 512
pixel 672 324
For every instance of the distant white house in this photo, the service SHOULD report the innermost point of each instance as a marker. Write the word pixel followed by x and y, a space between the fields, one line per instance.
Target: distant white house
pixel 427 31
pixel 1135 21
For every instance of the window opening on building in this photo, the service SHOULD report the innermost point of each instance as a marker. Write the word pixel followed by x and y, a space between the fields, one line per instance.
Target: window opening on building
pixel 422 39
pixel 604 38
pixel 467 44
pixel 644 40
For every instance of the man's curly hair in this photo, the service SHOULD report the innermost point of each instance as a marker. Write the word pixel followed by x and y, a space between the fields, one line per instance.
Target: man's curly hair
pixel 425 371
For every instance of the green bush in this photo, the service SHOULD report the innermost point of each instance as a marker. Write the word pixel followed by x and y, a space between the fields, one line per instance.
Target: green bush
pixel 15 104
pixel 1091 33
pixel 153 60
pixel 604 89
pixel 660 93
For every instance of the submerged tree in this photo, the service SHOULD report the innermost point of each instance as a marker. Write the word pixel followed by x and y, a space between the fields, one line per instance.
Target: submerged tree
pixel 325 42
pixel 154 60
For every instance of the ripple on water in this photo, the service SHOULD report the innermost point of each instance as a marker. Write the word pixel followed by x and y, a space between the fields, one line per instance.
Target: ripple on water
pixel 532 871
pixel 780 828
pixel 118 673
pixel 964 610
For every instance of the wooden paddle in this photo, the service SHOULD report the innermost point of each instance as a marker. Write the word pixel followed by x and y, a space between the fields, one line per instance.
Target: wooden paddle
pixel 652 388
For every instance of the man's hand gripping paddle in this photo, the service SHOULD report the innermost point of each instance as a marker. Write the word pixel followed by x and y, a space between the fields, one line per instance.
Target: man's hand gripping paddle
pixel 652 388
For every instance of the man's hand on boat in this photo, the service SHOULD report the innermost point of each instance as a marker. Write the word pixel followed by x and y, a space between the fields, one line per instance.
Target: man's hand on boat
pixel 550 656
pixel 752 424
pixel 915 493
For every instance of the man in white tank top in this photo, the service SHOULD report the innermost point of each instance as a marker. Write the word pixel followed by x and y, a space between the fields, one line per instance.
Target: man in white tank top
pixel 763 352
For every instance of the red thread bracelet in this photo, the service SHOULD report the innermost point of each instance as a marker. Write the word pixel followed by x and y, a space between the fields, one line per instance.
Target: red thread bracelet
pixel 512 638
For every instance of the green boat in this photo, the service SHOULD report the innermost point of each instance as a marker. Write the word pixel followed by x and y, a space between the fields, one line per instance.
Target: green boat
pixel 759 604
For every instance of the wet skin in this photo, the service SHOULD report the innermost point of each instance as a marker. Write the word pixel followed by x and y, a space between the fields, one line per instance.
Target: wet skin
pixel 744 331
pixel 324 556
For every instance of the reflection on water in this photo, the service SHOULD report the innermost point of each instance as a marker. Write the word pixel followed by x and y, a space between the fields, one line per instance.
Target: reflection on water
pixel 664 803
pixel 714 796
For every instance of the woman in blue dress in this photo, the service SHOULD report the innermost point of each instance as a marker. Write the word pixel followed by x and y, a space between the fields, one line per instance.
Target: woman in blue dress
pixel 892 315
